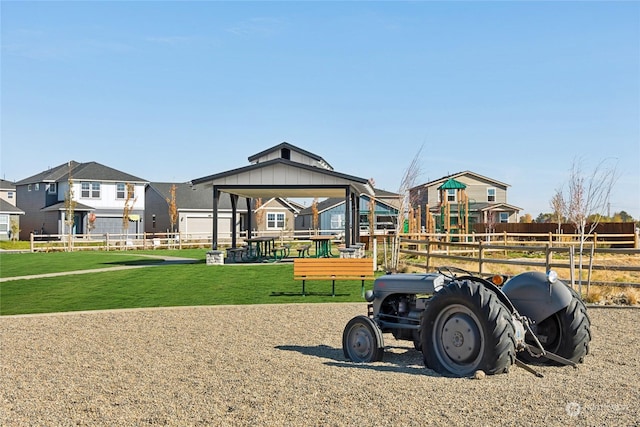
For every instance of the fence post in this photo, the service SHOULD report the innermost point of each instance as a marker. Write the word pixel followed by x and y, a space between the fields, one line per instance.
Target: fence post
pixel 426 267
pixel 595 239
pixel 504 237
pixel 179 240
pixel 572 266
pixel 547 257
pixel 480 259
pixel 106 241
pixel 32 243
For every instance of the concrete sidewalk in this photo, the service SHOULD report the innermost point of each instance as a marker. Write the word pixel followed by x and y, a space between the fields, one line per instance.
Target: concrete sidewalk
pixel 167 260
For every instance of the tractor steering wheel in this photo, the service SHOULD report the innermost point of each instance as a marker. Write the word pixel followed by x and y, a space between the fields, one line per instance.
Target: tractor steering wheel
pixel 452 272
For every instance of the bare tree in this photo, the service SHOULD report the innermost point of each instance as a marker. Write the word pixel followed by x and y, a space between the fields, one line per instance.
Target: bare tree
pixel 314 214
pixel 411 174
pixel 69 210
pixel 558 205
pixel 129 202
pixel 588 195
pixel 173 208
pixel 259 211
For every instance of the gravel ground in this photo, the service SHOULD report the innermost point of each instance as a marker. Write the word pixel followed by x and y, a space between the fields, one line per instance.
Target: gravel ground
pixel 283 365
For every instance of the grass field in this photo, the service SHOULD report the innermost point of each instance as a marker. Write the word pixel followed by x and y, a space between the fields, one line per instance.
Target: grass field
pixel 165 285
pixel 159 285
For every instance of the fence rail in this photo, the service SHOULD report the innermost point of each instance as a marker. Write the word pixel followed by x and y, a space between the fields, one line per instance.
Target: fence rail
pixel 483 253
pixel 132 241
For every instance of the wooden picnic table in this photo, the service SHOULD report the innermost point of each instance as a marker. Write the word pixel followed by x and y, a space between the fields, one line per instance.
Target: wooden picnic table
pixel 323 245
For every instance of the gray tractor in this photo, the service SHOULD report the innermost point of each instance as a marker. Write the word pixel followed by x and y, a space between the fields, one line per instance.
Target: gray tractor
pixel 464 323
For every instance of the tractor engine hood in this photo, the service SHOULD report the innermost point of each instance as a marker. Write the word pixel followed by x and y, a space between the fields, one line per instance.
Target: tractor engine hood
pixel 406 283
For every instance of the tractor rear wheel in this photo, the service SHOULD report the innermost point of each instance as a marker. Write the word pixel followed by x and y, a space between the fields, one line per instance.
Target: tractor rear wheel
pixel 566 333
pixel 466 328
pixel 362 340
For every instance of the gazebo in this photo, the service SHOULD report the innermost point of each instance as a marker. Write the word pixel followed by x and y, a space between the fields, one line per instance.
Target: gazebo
pixel 286 171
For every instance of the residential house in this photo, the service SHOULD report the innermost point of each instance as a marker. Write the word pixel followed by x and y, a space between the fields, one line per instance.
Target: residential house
pixel 99 193
pixel 331 213
pixel 481 199
pixel 275 214
pixel 194 209
pixel 9 213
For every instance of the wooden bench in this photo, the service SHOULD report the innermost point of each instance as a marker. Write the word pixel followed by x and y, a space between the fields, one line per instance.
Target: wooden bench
pixel 332 269
pixel 304 250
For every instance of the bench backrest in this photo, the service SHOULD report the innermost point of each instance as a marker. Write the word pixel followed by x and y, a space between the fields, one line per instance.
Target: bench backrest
pixel 333 267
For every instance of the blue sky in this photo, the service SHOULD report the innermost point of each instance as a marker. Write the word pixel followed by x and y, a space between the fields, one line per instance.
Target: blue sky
pixel 173 91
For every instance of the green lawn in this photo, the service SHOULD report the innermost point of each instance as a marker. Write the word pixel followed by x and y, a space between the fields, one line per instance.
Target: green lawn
pixel 155 286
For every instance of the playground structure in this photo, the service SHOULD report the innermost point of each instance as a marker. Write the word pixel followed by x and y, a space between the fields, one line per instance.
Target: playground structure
pixel 452 215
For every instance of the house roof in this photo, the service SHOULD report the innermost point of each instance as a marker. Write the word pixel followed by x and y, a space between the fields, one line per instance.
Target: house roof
pixel 458 175
pixel 60 206
pixel 7 185
pixel 291 147
pixel 323 205
pixel 7 208
pixel 330 203
pixel 81 171
pixel 189 197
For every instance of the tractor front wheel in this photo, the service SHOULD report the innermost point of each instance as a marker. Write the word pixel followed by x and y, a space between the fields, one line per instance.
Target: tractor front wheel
pixel 362 340
pixel 466 328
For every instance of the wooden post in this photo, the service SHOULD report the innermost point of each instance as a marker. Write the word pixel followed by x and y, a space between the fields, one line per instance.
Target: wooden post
pixel 504 238
pixel 480 259
pixel 32 243
pixel 547 257
pixel 106 240
pixel 426 267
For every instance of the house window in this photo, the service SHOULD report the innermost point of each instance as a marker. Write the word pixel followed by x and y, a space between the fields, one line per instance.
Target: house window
pixel 36 187
pixel 10 195
pixel 337 221
pixel 275 220
pixel 491 194
pixel 29 187
pixel 451 195
pixel 120 190
pixel 504 216
pixel 4 223
pixel 90 190
pixel 52 188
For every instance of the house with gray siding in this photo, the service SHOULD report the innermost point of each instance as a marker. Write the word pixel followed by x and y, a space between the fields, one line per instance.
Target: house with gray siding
pixel 99 192
pixel 194 208
pixel 331 213
pixel 9 213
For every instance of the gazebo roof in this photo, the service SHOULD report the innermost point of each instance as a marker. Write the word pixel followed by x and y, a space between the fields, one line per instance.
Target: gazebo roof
pixel 452 184
pixel 285 178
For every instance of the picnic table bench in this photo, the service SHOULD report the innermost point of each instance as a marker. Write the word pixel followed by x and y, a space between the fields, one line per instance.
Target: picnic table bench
pixel 236 254
pixel 332 269
pixel 281 252
pixel 302 250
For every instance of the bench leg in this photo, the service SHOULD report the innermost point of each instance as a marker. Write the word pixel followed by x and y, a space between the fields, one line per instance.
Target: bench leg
pixel 303 287
pixel 363 288
pixel 333 288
